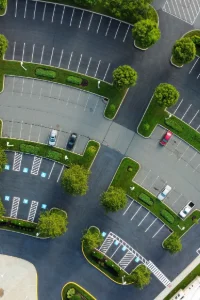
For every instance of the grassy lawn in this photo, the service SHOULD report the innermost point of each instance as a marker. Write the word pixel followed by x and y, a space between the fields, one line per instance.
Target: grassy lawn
pixel 123 178
pixel 106 90
pixel 184 282
pixel 192 33
pixel 99 8
pixel 78 291
pixel 155 115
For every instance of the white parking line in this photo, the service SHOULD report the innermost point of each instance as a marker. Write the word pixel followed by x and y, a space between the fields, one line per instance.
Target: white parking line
pixel 136 213
pixel 177 107
pixel 53 13
pixel 90 22
pixel 176 199
pixel 40 93
pixel 21 130
pixel 150 225
pixel 76 143
pixel 108 27
pixel 25 9
pixel 186 111
pixel 197 127
pixel 143 218
pixel 51 56
pixel 88 65
pixel 16 8
pixel 198 76
pixel 44 11
pixel 11 128
pixel 63 12
pixel 158 231
pixel 126 33
pixel 194 65
pixel 32 88
pixel 13 85
pixel 58 136
pixel 50 90
pixel 79 63
pixel 51 170
pixel 70 60
pixel 183 153
pixel 42 54
pixel 106 72
pixel 39 133
pixel 97 68
pixel 96 106
pixel 81 19
pixel 22 86
pixel 196 168
pixel 61 55
pixel 60 173
pixel 60 93
pixel 175 148
pixel 116 250
pixel 23 52
pixel 145 177
pixel 30 132
pixel 154 181
pixel 99 24
pixel 128 207
pixel 194 117
pixel 14 50
pixel 117 30
pixel 72 17
pixel 191 159
pixel 78 99
pixel 32 52
pixel 87 101
pixel 35 10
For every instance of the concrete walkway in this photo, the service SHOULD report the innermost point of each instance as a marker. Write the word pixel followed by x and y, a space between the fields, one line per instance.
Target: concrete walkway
pixel 179 278
pixel 18 278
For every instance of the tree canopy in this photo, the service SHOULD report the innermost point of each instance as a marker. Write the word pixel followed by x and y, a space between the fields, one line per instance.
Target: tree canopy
pixel 166 94
pixel 114 199
pixel 184 51
pixel 3 4
pixel 2 209
pixel 52 223
pixel 124 77
pixel 86 2
pixel 3 159
pixel 141 276
pixel 146 33
pixel 92 239
pixel 75 180
pixel 3 45
pixel 173 243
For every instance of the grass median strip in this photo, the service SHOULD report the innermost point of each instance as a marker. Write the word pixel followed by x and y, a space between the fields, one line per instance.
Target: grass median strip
pixel 124 179
pixel 106 90
pixel 74 289
pixel 156 115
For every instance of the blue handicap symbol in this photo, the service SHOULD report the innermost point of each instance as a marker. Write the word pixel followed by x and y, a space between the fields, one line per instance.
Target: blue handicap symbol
pixel 7 167
pixel 116 242
pixel 137 259
pixel 43 174
pixel 44 206
pixel 25 201
pixel 103 234
pixel 124 248
pixel 25 170
pixel 7 198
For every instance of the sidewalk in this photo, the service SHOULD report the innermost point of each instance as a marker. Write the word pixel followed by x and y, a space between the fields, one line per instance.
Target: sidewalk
pixel 179 278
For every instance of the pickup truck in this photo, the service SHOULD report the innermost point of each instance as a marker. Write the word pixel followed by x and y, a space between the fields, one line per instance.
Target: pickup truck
pixel 185 211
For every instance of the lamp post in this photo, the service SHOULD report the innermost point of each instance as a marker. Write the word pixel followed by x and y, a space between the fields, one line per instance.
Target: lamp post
pixel 170 115
pixel 99 84
pixel 123 282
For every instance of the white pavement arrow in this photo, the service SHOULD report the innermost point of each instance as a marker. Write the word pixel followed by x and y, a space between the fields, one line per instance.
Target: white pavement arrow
pixel 8 145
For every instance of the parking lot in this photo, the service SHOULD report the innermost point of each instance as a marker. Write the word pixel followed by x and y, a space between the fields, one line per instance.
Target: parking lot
pixel 179 167
pixel 67 56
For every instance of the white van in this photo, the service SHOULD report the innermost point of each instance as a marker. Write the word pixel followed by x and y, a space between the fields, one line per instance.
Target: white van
pixel 52 137
pixel 164 192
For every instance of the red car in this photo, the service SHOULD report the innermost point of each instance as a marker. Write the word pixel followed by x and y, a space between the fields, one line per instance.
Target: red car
pixel 167 136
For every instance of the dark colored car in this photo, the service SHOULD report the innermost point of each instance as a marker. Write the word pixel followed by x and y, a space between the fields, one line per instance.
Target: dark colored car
pixel 167 136
pixel 72 141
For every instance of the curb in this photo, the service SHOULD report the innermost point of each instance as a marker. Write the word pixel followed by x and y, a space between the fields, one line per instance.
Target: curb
pixel 179 67
pixel 76 284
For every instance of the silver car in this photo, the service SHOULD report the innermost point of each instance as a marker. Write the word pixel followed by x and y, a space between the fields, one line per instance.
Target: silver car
pixel 52 137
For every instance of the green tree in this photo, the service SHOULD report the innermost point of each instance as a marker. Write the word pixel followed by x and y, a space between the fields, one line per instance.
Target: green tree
pixel 184 51
pixel 3 4
pixel 3 159
pixel 146 33
pixel 114 199
pixel 52 224
pixel 124 77
pixel 70 293
pixel 140 277
pixel 166 95
pixel 86 2
pixel 3 45
pixel 76 297
pixel 173 243
pixel 75 180
pixel 92 239
pixel 2 209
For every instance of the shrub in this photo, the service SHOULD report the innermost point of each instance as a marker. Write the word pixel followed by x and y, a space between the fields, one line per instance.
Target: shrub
pixel 184 51
pixel 166 95
pixel 71 292
pixel 76 297
pixel 167 216
pixel 146 199
pixel 112 108
pixel 196 40
pixel 173 243
pixel 91 150
pixel 74 80
pixel 3 45
pixel 173 124
pixel 146 126
pixel 129 169
pixel 97 254
pixel 54 155
pixel 124 77
pixel 114 199
pixel 84 82
pixel 29 148
pixel 45 73
pixel 3 4
pixel 112 265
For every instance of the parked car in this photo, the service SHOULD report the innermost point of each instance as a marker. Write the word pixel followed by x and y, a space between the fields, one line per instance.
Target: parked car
pixel 166 137
pixel 52 137
pixel 185 211
pixel 164 192
pixel 72 141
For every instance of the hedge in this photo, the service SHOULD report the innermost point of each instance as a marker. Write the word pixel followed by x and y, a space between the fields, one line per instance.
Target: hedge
pixel 29 148
pixel 146 199
pixel 173 124
pixel 45 73
pixel 97 254
pixel 167 216
pixel 74 80
pixel 54 155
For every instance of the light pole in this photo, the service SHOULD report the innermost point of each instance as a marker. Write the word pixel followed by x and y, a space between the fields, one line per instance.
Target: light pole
pixel 23 66
pixel 99 84
pixel 170 115
pixel 123 282
pixel 181 228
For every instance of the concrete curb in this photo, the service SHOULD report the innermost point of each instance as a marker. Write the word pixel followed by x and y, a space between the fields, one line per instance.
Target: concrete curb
pixel 179 67
pixel 76 284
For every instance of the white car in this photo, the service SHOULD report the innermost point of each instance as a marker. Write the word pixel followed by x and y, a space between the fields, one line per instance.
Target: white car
pixel 185 211
pixel 164 192
pixel 52 137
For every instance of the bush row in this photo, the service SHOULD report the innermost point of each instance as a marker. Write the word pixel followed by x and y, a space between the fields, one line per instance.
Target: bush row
pixel 29 148
pixel 146 199
pixel 167 216
pixel 45 73
pixel 77 80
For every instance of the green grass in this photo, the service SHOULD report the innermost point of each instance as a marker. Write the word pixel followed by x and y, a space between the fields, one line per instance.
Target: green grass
pixel 3 10
pixel 123 178
pixel 106 90
pixel 155 115
pixel 192 33
pixel 184 282
pixel 79 291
